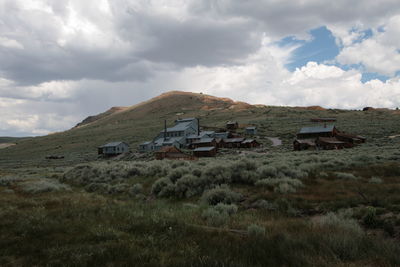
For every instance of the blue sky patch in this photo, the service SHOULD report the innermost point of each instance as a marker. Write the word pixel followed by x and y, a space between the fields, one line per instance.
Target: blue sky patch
pixel 368 76
pixel 320 48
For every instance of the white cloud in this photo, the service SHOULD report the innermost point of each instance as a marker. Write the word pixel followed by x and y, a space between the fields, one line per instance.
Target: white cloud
pixel 379 53
pixel 64 60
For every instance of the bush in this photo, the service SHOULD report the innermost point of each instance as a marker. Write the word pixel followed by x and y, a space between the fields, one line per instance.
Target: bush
pixel 97 187
pixel 159 185
pixel 346 176
pixel 280 185
pixel 255 230
pixel 230 209
pixel 178 173
pixel 118 188
pixel 42 186
pixel 263 204
pixel 217 174
pixel 375 180
pixel 370 219
pixel 136 189
pixel 340 221
pixel 214 217
pixel 220 194
pixel 189 185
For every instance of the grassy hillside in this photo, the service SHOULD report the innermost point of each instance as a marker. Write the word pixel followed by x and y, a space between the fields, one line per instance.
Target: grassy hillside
pixel 143 121
pixel 275 208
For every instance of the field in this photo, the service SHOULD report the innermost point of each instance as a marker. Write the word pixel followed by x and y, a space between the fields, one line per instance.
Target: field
pixel 273 208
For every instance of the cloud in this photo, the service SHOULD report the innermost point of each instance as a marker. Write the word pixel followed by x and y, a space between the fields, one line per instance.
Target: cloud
pixel 380 53
pixel 64 60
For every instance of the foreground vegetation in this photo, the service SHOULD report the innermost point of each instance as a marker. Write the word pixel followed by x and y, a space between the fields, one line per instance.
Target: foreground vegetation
pixel 292 209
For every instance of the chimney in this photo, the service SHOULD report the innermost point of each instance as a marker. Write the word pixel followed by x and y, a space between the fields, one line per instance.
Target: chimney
pixel 198 126
pixel 165 129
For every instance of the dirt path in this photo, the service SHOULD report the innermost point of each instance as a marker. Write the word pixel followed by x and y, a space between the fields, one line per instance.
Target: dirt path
pixel 4 145
pixel 275 141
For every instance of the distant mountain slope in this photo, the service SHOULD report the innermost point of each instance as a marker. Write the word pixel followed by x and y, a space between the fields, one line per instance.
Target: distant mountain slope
pixel 94 118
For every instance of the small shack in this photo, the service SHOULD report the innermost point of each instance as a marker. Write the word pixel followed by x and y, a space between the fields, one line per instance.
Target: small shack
pixel 329 143
pixel 317 131
pixel 232 125
pixel 205 151
pixel 350 138
pixel 204 142
pixel 232 142
pixel 252 130
pixel 249 143
pixel 171 152
pixel 113 148
pixel 304 144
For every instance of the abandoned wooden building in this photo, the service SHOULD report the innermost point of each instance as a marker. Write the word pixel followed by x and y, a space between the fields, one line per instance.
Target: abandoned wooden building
pixel 249 143
pixel 232 142
pixel 113 148
pixel 350 138
pixel 232 125
pixel 331 143
pixel 171 152
pixel 304 144
pixel 204 142
pixel 317 131
pixel 205 151
pixel 251 130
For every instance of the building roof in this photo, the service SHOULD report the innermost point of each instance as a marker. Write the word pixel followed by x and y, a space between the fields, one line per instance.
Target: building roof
pixel 146 143
pixel 204 140
pixel 201 135
pixel 113 144
pixel 185 119
pixel 251 128
pixel 248 141
pixel 317 129
pixel 207 148
pixel 233 140
pixel 168 140
pixel 310 142
pixel 330 140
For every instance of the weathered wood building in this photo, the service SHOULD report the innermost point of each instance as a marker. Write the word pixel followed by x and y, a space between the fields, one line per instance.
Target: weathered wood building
pixel 251 130
pixel 205 152
pixel 317 131
pixel 232 125
pixel 232 142
pixel 171 152
pixel 113 148
pixel 249 143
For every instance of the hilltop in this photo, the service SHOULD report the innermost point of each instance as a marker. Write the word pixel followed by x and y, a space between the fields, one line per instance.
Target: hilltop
pixel 140 122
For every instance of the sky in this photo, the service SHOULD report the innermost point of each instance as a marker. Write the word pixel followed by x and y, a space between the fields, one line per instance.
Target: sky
pixel 63 60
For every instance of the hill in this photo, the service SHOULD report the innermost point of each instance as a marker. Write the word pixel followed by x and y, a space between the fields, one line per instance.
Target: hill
pixel 141 122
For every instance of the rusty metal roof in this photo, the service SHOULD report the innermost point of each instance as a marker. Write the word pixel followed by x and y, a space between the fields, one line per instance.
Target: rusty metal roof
pixel 207 148
pixel 317 129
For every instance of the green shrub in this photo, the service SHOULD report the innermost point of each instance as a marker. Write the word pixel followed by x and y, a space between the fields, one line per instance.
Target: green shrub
pixel 255 230
pixel 217 174
pixel 220 194
pixel 345 176
pixel 42 186
pixel 136 189
pixel 370 218
pixel 375 180
pixel 228 208
pixel 282 185
pixel 214 217
pixel 189 185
